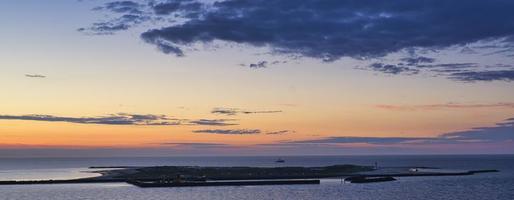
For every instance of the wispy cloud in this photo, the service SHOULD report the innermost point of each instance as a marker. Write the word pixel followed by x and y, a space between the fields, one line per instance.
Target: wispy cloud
pixel 235 111
pixel 444 106
pixel 123 119
pixel 417 60
pixel 230 131
pixel 263 64
pixel 282 132
pixel 114 119
pixel 130 13
pixel 260 64
pixel 392 69
pixel 213 122
pixel 243 131
pixel 35 76
pixel 490 75
pixel 122 7
pixel 462 72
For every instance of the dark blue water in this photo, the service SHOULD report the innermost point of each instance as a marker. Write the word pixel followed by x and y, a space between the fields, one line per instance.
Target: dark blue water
pixel 482 186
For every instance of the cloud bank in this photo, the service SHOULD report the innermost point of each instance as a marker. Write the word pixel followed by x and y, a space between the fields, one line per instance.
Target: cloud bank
pixel 337 28
pixel 330 29
pixel 327 30
pixel 502 132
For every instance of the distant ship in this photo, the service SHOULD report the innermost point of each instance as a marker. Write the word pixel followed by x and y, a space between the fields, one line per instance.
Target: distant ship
pixel 280 160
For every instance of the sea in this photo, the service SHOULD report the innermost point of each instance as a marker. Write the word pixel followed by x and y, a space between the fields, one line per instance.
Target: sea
pixel 494 186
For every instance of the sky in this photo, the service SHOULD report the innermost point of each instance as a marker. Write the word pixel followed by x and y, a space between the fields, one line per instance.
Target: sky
pixel 89 78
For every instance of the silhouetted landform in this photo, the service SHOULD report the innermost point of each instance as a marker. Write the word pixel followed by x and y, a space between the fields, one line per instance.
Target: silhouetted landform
pixel 145 184
pixel 202 174
pixel 364 179
pixel 114 167
pixel 195 173
pixel 237 173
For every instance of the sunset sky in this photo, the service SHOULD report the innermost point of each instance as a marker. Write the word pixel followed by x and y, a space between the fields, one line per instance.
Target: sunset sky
pixel 256 77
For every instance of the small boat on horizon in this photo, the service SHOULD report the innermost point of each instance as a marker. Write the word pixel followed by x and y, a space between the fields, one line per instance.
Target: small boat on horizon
pixel 280 160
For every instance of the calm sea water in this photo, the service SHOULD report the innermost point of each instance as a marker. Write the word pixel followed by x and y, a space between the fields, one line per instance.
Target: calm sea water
pixel 482 186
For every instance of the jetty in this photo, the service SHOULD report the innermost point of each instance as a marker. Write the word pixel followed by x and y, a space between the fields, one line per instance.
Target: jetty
pixel 144 184
pixel 364 179
pixel 463 173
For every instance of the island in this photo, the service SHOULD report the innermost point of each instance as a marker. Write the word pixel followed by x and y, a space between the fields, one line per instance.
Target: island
pixel 231 173
pixel 176 176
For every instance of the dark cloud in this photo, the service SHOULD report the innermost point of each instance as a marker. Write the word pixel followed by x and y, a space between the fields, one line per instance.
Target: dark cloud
pixel 339 28
pixel 260 64
pixel 230 131
pixel 225 111
pixel 235 111
pixel 502 132
pixel 476 76
pixel 414 61
pixel 167 47
pixel 329 30
pixel 121 23
pixel 35 76
pixel 213 122
pixel 445 106
pixel 129 13
pixel 464 72
pixel 115 119
pixel 263 64
pixel 123 119
pixel 122 7
pixel 449 66
pixel 261 112
pixel 172 7
pixel 392 69
pixel 282 132
pixel 416 65
pixel 106 27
